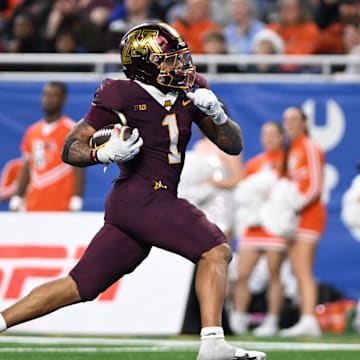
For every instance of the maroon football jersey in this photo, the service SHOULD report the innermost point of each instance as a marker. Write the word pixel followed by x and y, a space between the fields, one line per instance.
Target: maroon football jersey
pixel 139 216
pixel 165 127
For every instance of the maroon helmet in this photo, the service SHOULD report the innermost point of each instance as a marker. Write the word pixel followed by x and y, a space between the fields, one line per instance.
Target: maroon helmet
pixel 156 54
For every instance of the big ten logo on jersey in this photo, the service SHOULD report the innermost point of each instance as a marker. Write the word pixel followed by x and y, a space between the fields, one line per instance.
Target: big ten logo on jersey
pixel 140 107
pixel 328 135
pixel 22 267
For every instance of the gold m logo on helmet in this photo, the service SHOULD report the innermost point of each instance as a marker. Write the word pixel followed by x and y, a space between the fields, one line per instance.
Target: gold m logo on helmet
pixel 139 43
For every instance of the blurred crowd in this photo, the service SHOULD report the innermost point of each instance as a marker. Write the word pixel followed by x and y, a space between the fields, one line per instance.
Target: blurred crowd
pixel 300 27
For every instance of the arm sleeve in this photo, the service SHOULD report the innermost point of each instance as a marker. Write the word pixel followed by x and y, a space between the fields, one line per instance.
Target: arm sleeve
pixel 104 107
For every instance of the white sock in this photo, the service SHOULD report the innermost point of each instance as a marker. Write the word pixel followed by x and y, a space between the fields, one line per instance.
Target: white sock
pixel 272 318
pixel 240 317
pixel 3 325
pixel 212 332
pixel 308 318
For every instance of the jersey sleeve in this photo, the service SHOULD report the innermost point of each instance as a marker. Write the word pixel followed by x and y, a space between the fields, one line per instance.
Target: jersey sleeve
pixel 106 102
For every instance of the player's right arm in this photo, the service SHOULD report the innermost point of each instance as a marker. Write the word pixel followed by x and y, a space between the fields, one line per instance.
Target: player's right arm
pixel 77 151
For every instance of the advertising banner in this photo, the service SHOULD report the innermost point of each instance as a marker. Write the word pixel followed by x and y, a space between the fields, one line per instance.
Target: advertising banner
pixel 39 247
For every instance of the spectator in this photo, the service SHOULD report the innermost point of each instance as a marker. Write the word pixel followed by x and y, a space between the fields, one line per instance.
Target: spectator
pixel 24 37
pixel 240 32
pixel 352 46
pixel 66 42
pixel 46 183
pixel 7 7
pixel 267 10
pixel 195 24
pixel 37 9
pixel 266 42
pixel 135 13
pixel 305 167
pixel 98 10
pixel 332 17
pixel 69 16
pixel 296 27
pixel 326 13
pixel 214 44
pixel 255 240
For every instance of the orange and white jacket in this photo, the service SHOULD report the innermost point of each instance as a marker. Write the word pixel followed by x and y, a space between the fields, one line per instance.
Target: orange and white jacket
pixel 306 162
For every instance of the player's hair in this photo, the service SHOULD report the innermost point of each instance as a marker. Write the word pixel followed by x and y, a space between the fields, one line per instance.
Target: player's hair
pixel 60 85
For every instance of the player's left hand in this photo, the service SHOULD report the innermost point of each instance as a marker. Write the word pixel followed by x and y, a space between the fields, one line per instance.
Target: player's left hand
pixel 208 103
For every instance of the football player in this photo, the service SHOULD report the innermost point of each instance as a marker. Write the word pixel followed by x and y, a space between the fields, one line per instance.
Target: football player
pixel 159 100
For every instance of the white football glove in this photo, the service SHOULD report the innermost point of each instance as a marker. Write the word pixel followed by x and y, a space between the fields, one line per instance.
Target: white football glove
pixel 119 150
pixel 208 103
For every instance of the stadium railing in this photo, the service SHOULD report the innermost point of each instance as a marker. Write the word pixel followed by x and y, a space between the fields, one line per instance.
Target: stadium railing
pixel 308 68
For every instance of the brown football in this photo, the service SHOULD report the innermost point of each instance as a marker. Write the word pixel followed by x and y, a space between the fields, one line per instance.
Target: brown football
pixel 102 136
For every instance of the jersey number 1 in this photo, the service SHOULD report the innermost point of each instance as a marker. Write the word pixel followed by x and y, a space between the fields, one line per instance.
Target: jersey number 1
pixel 174 155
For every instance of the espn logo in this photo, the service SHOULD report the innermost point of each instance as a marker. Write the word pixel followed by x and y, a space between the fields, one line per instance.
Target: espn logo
pixel 24 264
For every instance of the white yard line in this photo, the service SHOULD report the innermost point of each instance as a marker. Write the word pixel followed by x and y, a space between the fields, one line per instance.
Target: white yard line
pixel 148 345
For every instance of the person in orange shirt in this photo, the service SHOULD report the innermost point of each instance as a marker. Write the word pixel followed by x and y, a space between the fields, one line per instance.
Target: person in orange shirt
pixel 195 24
pixel 46 183
pixel 296 27
pixel 254 240
pixel 345 12
pixel 305 167
pixel 299 32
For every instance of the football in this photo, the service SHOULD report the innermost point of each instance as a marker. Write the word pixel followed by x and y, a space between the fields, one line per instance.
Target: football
pixel 102 136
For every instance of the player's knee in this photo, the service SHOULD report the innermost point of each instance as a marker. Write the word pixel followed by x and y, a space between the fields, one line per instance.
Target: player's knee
pixel 89 294
pixel 88 290
pixel 220 253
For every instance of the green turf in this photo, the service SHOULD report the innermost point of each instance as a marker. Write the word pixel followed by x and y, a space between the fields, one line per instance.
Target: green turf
pixel 157 348
pixel 272 355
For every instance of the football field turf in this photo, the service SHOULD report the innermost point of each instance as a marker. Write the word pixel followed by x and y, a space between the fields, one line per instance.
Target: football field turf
pixel 169 348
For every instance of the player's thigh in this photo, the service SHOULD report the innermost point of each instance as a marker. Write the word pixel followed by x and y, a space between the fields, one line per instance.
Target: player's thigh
pixel 110 255
pixel 185 230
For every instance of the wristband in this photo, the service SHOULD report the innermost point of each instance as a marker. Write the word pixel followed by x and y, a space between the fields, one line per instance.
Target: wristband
pixel 93 155
pixel 220 118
